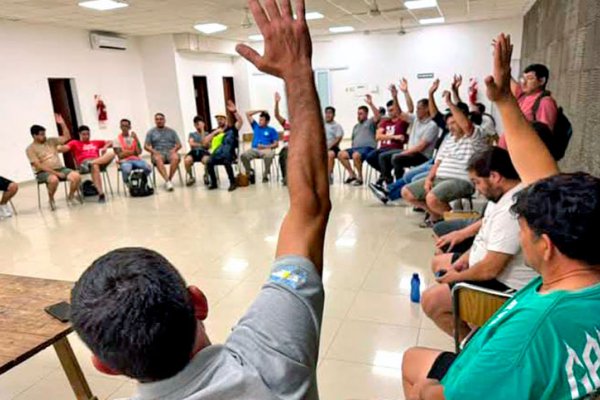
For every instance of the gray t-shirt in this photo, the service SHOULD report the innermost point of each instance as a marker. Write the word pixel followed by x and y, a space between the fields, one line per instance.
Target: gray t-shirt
pixel 333 131
pixel 423 130
pixel 363 134
pixel 272 353
pixel 163 140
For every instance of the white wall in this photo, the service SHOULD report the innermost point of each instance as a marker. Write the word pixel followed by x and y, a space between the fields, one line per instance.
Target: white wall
pixel 379 59
pixel 33 53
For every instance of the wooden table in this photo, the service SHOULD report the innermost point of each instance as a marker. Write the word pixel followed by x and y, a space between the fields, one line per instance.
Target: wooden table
pixel 26 329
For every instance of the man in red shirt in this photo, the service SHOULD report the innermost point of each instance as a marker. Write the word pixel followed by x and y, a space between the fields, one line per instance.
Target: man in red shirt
pixel 91 157
pixel 533 87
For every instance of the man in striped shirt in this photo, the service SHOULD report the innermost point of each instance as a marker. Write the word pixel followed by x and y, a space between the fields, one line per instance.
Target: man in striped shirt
pixel 448 179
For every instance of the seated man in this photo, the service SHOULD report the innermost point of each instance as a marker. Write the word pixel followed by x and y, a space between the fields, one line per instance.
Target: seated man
pixel 448 180
pixel 543 343
pixel 392 135
pixel 265 140
pixel 10 189
pixel 283 154
pixel 199 142
pixel 47 166
pixel 128 149
pixel 133 310
pixel 495 260
pixel 226 154
pixel 363 142
pixel 335 134
pixel 163 144
pixel 91 157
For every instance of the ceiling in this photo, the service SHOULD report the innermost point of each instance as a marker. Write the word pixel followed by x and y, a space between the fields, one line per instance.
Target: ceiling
pixel 150 17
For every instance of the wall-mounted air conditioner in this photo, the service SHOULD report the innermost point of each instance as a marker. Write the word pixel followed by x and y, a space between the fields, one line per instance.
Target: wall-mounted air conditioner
pixel 107 42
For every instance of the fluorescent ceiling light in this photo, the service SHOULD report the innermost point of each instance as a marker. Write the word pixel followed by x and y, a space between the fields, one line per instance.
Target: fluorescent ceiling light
pixel 314 15
pixel 430 21
pixel 210 28
pixel 256 38
pixel 341 29
pixel 103 5
pixel 418 4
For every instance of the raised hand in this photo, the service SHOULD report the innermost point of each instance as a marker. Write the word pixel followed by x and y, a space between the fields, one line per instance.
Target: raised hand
pixel 369 99
pixel 457 82
pixel 393 90
pixel 277 97
pixel 59 119
pixel 447 97
pixel 288 46
pixel 434 86
pixel 498 85
pixel 403 85
pixel 231 107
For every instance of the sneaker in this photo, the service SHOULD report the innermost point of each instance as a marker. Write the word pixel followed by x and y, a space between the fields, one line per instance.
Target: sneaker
pixel 52 204
pixel 213 187
pixel 380 182
pixel 102 198
pixel 5 211
pixel 206 180
pixel 379 193
pixel 349 180
pixel 232 187
pixel 252 178
pixel 190 180
pixel 357 182
pixel 168 186
pixel 380 187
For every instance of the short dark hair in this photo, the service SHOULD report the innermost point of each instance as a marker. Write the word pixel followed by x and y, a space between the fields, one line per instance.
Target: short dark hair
pixel 389 103
pixel 159 115
pixel 132 309
pixel 329 108
pixel 481 107
pixel 265 115
pixel 36 130
pixel 364 108
pixel 198 118
pixel 549 139
pixel 540 71
pixel 493 159
pixel 382 110
pixel 126 120
pixel 463 107
pixel 83 128
pixel 424 102
pixel 565 207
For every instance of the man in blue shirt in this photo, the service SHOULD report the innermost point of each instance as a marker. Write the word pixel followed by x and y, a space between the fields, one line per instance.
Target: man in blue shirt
pixel 264 142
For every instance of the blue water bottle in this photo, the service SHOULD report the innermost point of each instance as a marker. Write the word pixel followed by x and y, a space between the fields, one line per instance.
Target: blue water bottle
pixel 415 289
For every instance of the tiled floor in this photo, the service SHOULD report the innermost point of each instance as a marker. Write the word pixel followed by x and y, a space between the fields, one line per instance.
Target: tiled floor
pixel 225 243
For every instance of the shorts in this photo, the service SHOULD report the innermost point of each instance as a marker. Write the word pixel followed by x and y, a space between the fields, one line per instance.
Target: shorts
pixel 166 156
pixel 42 177
pixel 336 150
pixel 441 366
pixel 363 151
pixel 4 184
pixel 198 154
pixel 85 167
pixel 445 190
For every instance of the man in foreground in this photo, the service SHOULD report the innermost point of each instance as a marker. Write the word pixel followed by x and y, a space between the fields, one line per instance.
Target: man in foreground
pixel 91 157
pixel 47 166
pixel 543 344
pixel 133 310
pixel 163 144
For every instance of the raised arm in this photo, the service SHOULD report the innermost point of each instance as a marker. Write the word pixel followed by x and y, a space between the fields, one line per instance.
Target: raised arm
pixel 288 55
pixel 433 110
pixel 373 107
pixel 530 156
pixel 410 105
pixel 459 116
pixel 250 115
pixel 277 113
pixel 66 134
pixel 232 108
pixel 456 83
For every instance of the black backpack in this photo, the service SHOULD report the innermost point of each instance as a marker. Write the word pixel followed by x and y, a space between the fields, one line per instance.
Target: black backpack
pixel 563 130
pixel 139 185
pixel 88 189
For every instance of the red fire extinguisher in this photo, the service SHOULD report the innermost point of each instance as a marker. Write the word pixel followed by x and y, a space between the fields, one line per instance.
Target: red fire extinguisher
pixel 101 111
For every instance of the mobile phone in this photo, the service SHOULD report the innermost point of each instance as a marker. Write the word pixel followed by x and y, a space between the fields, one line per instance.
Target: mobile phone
pixel 440 273
pixel 61 311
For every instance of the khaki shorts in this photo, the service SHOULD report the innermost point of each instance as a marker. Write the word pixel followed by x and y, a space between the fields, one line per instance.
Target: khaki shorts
pixel 445 190
pixel 42 177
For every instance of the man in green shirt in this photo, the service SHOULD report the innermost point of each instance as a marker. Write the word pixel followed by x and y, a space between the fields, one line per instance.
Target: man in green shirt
pixel 545 342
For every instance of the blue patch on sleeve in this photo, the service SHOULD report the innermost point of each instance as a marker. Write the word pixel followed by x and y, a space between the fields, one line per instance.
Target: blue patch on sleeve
pixel 290 276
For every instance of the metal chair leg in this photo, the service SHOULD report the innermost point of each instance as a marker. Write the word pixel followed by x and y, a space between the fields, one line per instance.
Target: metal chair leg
pixel 13 207
pixel 39 196
pixel 107 178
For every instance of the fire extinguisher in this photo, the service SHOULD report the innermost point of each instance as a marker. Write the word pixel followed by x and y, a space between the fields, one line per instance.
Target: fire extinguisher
pixel 101 111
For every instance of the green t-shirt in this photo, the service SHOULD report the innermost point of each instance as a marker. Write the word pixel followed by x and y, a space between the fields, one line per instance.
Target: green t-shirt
pixel 538 346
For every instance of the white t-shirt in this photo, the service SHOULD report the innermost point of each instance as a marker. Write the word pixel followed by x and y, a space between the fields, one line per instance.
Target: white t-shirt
pixel 500 233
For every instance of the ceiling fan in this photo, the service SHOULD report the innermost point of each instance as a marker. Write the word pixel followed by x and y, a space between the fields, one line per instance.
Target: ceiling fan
pixel 375 11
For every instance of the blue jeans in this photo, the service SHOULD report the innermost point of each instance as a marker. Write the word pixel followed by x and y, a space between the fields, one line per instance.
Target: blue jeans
pixel 128 166
pixel 412 175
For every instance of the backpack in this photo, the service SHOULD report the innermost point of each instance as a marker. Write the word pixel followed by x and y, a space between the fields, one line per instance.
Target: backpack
pixel 139 185
pixel 88 189
pixel 563 129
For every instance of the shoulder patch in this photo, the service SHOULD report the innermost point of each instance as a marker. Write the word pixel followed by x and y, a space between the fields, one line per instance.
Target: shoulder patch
pixel 290 276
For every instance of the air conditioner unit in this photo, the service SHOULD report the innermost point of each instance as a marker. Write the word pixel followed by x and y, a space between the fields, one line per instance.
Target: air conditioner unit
pixel 107 42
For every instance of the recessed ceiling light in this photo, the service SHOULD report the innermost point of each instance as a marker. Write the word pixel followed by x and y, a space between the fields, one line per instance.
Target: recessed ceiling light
pixel 430 21
pixel 418 4
pixel 256 38
pixel 314 15
pixel 103 5
pixel 210 28
pixel 341 29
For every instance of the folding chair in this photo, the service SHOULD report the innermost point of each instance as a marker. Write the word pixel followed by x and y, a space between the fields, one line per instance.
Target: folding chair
pixel 105 177
pixel 474 305
pixel 13 207
pixel 38 184
pixel 181 181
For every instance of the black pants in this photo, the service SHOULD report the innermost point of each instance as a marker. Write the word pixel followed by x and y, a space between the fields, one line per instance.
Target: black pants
pixel 219 160
pixel 402 161
pixel 283 156
pixel 384 161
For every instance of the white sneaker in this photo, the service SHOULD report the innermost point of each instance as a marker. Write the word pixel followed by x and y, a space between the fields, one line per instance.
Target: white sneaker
pixel 8 210
pixel 3 212
pixel 169 186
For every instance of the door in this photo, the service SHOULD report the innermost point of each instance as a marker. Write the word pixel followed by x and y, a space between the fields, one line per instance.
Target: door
pixel 229 94
pixel 202 106
pixel 63 103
